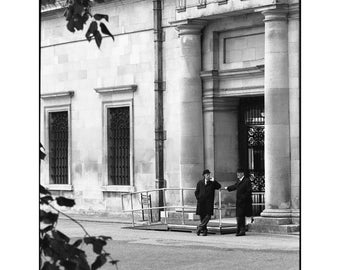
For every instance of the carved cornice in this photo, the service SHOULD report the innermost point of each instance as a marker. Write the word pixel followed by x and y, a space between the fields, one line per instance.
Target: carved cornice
pixel 254 90
pixel 276 12
pixel 57 95
pixel 116 89
pixel 294 12
pixel 189 26
pixel 214 104
pixel 232 73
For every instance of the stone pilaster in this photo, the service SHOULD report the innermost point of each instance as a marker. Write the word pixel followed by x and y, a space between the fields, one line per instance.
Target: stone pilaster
pixel 190 98
pixel 294 106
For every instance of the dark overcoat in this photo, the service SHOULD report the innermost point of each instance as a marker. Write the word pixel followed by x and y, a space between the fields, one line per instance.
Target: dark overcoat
pixel 205 195
pixel 243 197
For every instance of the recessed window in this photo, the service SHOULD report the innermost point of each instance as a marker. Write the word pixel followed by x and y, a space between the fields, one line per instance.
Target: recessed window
pixel 58 132
pixel 118 145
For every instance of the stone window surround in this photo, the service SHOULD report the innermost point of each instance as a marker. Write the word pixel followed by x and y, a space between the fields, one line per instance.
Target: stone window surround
pixel 115 97
pixel 58 102
pixel 237 33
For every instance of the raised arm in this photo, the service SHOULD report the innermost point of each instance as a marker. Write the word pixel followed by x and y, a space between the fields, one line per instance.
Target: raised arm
pixel 232 187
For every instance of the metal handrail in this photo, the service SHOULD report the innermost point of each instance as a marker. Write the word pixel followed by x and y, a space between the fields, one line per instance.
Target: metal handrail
pixel 182 206
pixel 166 207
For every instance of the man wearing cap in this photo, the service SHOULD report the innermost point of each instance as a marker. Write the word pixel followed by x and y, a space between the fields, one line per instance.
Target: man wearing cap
pixel 243 201
pixel 205 193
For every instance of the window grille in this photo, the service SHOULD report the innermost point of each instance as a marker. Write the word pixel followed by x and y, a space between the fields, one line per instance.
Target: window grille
pixel 118 134
pixel 58 147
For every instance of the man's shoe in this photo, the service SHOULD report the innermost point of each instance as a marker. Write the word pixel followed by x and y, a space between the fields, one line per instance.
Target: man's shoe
pixel 205 233
pixel 199 230
pixel 241 234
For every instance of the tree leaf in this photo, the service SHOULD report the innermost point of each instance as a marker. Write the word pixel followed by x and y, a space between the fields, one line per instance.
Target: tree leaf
pixel 92 28
pixel 98 38
pixel 46 199
pixel 46 229
pixel 96 243
pixel 48 217
pixel 100 261
pixel 49 266
pixel 42 154
pixel 60 236
pixel 105 237
pixel 106 31
pixel 77 243
pixel 43 190
pixel 85 17
pixel 78 22
pixel 78 8
pixel 70 26
pixel 98 17
pixel 89 240
pixel 62 201
pixel 69 265
pixel 113 262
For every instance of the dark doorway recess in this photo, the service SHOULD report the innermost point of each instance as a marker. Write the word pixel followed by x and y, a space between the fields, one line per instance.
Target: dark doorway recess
pixel 251 146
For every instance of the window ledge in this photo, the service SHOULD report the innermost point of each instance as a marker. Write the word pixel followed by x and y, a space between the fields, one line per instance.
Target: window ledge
pixel 57 94
pixel 117 89
pixel 118 188
pixel 59 187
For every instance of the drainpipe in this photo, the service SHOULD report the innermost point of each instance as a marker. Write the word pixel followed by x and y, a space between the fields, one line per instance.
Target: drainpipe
pixel 159 88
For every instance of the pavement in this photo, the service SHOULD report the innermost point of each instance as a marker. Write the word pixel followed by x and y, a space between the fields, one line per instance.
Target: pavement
pixel 117 228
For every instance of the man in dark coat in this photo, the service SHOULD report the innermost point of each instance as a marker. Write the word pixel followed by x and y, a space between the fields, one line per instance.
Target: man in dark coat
pixel 243 201
pixel 205 193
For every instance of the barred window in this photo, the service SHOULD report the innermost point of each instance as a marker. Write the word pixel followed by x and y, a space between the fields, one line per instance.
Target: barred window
pixel 118 143
pixel 58 147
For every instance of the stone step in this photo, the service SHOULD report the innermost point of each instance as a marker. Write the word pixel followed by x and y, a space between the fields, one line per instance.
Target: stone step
pixel 272 221
pixel 278 229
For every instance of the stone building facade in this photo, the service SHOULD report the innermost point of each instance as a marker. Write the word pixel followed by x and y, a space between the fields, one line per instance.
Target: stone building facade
pixel 230 98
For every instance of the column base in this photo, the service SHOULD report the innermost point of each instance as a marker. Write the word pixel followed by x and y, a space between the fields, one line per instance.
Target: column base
pixel 279 221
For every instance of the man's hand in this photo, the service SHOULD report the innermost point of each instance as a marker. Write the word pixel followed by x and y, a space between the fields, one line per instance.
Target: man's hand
pixel 212 179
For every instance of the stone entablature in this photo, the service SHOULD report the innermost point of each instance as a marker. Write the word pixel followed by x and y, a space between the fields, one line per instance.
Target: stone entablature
pixel 199 8
pixel 226 83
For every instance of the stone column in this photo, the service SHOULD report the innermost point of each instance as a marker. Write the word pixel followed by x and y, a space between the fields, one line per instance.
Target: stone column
pixel 190 103
pixel 277 142
pixel 294 106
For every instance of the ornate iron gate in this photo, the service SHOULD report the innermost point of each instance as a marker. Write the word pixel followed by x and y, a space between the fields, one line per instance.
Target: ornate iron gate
pixel 118 143
pixel 251 147
pixel 58 147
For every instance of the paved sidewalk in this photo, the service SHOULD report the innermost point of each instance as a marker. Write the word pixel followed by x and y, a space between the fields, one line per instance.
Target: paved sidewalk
pixel 252 241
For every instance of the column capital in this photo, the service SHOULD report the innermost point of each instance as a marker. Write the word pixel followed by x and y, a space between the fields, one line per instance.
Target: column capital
pixel 189 26
pixel 294 12
pixel 277 12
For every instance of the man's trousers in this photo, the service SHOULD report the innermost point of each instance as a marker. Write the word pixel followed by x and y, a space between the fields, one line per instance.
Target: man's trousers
pixel 204 222
pixel 241 224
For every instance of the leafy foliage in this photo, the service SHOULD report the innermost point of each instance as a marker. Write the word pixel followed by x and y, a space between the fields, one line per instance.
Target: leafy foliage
pixel 56 250
pixel 78 14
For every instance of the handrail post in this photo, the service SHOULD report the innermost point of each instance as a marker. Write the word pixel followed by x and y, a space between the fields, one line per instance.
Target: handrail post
pixel 149 216
pixel 220 207
pixel 182 199
pixel 164 202
pixel 133 220
pixel 121 197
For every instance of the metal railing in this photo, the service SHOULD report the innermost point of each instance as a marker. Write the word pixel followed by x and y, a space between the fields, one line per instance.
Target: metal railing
pixel 182 206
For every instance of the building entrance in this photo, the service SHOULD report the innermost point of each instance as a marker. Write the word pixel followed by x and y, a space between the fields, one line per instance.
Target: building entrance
pixel 251 147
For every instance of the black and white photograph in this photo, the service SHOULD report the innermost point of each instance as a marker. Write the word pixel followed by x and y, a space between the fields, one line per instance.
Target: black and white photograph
pixel 171 136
